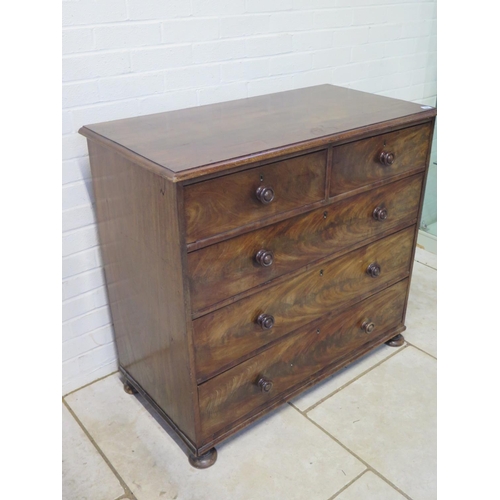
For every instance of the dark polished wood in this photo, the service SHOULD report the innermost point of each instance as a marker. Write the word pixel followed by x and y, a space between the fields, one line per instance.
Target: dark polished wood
pixel 237 392
pixel 224 336
pixel 221 204
pixel 228 268
pixel 363 162
pixel 203 461
pixel 252 248
pixel 396 341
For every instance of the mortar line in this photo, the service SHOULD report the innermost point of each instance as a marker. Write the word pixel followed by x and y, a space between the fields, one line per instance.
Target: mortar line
pixel 90 383
pixel 335 495
pixel 421 350
pixel 349 382
pixel 364 462
pixel 127 491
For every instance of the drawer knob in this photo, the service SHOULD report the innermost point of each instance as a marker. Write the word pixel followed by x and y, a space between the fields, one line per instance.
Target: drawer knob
pixel 266 321
pixel 387 158
pixel 264 258
pixel 265 384
pixel 368 326
pixel 380 213
pixel 265 194
pixel 373 270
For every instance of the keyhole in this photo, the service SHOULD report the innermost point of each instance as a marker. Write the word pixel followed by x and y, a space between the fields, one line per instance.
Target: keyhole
pixel 325 214
pixel 317 331
pixel 321 272
pixel 262 177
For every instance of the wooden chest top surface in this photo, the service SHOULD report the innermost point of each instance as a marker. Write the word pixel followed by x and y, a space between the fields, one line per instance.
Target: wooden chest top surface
pixel 191 138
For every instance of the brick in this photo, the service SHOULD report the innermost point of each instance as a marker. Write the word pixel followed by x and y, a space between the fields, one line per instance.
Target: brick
pixel 218 7
pixel 76 285
pixel 98 65
pixel 73 146
pixel 268 45
pixel 105 111
pixel 67 123
pixel 312 4
pixel 290 63
pixel 247 70
pixel 372 15
pixel 161 58
pixel 192 77
pixel 79 240
pixel 350 73
pixel 190 30
pixel 81 379
pixel 291 21
pixel 349 37
pixel 97 357
pixel 127 36
pixel 384 32
pixel 86 323
pixel 84 303
pixel 409 12
pixel 310 78
pixel 400 47
pixel 168 101
pixel 368 52
pixel 76 40
pixel 270 85
pixel 417 29
pixel 79 193
pixel 383 67
pixel 80 262
pixel 312 40
pixel 337 18
pixel 221 50
pixel 99 337
pixel 78 217
pixel 123 87
pixel 80 93
pixel 267 6
pixel 240 26
pixel 155 9
pixel 93 12
pixel 77 169
pixel 221 93
pixel 331 57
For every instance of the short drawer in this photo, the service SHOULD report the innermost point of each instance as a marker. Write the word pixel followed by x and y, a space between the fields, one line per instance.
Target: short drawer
pixel 225 203
pixel 363 162
pixel 234 331
pixel 223 270
pixel 254 384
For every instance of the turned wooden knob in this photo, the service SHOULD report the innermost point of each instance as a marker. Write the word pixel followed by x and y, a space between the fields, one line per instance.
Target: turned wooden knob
pixel 380 213
pixel 387 158
pixel 264 258
pixel 265 194
pixel 266 321
pixel 373 270
pixel 265 384
pixel 368 326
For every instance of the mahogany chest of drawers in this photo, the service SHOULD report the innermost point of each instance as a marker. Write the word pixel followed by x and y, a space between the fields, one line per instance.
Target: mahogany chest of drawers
pixel 254 247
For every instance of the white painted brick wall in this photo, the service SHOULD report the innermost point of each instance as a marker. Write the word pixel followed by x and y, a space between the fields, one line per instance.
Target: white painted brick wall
pixel 124 58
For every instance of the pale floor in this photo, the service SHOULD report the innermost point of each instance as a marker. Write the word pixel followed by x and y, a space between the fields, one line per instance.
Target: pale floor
pixel 368 432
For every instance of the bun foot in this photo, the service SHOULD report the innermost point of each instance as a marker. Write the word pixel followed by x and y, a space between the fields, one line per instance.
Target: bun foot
pixel 396 341
pixel 128 388
pixel 204 461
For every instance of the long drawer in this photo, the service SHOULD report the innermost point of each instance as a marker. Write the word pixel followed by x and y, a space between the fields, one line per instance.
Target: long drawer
pixel 364 162
pixel 228 334
pixel 254 384
pixel 219 205
pixel 225 269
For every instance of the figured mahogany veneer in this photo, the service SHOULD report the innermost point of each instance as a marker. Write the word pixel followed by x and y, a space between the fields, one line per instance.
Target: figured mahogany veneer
pixel 254 247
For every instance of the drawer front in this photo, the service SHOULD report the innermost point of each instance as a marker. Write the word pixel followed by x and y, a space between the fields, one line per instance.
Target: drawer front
pixel 219 205
pixel 225 269
pixel 227 334
pixel 236 393
pixel 360 163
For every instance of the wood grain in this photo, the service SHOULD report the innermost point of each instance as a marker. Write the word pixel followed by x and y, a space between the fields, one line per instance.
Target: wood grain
pixel 141 243
pixel 235 393
pixel 222 337
pixel 357 164
pixel 222 204
pixel 228 268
